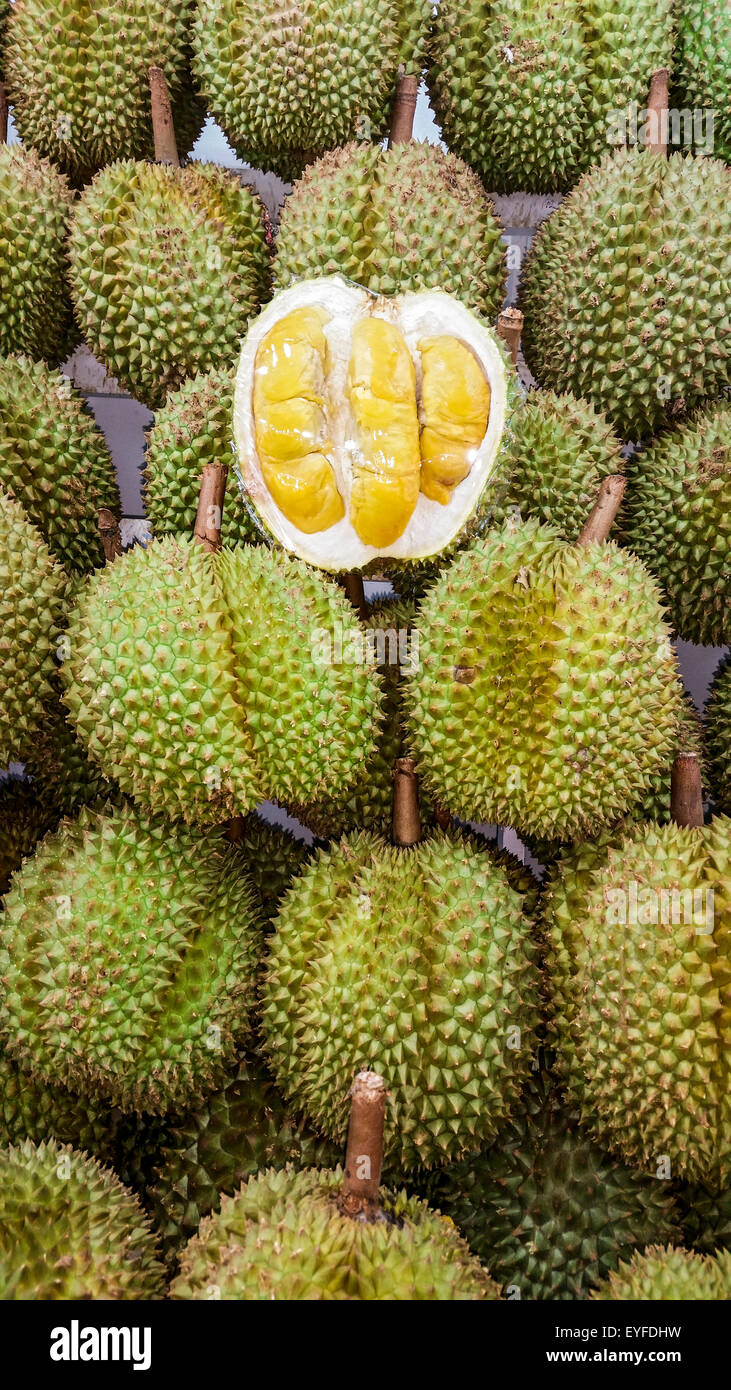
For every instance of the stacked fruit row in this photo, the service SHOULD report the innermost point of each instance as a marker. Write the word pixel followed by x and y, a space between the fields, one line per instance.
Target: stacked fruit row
pixel 187 994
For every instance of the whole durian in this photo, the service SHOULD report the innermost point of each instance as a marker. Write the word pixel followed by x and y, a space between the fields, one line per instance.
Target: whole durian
pixel 558 452
pixel 702 69
pixel 194 428
pixel 287 84
pixel 35 1110
pixel 195 682
pixel 24 820
pixel 128 952
pixel 167 267
pixel 55 460
pixel 236 1132
pixel 546 695
pixel 718 736
pixel 418 963
pixel 272 856
pixel 78 78
pixel 638 958
pixel 283 1237
pixel 677 519
pixel 667 1274
pixel 546 1211
pixel 409 218
pixel 530 92
pixel 70 1230
pixel 32 601
pixel 63 777
pixel 35 308
pixel 606 285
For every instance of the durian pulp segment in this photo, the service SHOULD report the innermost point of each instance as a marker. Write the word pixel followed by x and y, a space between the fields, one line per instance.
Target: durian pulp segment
pixel 455 403
pixel 386 463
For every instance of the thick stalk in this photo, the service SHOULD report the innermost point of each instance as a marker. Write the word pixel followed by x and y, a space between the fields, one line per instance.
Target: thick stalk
pixel 403 111
pixel 686 793
pixel 364 1152
pixel 509 328
pixel 110 534
pixel 406 817
pixel 166 148
pixel 599 522
pixel 4 113
pixel 657 113
pixel 207 528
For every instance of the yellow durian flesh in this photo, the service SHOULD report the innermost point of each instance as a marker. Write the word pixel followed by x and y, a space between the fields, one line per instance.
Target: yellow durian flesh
pixel 381 388
pixel 455 400
pixel 291 422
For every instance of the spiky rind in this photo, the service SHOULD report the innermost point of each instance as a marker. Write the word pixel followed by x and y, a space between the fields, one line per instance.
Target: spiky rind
pixel 706 1217
pixel 36 308
pixel 606 285
pixel 283 1237
pixel 405 219
pixel 24 820
pixel 35 1110
pixel 702 70
pixel 167 267
pixel 718 736
pixel 62 776
pixel 273 857
pixel 128 954
pixel 667 1274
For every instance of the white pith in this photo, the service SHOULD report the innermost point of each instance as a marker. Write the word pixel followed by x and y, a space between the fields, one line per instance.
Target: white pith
pixel 432 526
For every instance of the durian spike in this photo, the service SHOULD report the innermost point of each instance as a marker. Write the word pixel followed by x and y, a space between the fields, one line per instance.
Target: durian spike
pixel 686 794
pixel 364 1151
pixel 4 112
pixel 509 328
pixel 406 817
pixel 110 534
pixel 166 148
pixel 599 521
pixel 403 110
pixel 354 591
pixel 657 113
pixel 207 528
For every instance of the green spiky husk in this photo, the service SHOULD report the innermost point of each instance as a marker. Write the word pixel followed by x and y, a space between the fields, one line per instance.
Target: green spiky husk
pixel 405 219
pixel 35 198
pixel 718 736
pixel 702 68
pixel 287 84
pixel 607 282
pixel 667 1274
pixel 282 1237
pixel 167 267
pixel 706 1217
pixel 24 820
pixel 273 857
pixel 63 778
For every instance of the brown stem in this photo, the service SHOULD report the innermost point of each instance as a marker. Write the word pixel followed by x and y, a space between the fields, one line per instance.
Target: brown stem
pixel 403 111
pixel 599 521
pixel 509 328
pixel 207 529
pixel 657 113
pixel 355 592
pixel 364 1152
pixel 110 534
pixel 166 149
pixel 4 114
pixel 686 793
pixel 406 818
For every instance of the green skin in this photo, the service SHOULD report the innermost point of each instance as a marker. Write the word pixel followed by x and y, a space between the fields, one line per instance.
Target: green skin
pixel 273 857
pixel 718 736
pixel 71 1230
pixel 605 294
pixel 702 67
pixel 283 1237
pixel 37 317
pixel 24 819
pixel 665 1274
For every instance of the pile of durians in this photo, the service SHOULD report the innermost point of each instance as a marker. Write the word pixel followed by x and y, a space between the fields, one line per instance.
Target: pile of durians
pixel 189 984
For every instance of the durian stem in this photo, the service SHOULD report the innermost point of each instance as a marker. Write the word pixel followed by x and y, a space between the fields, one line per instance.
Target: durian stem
pixel 207 529
pixel 166 148
pixel 110 534
pixel 355 592
pixel 406 817
pixel 601 517
pixel 657 112
pixel 509 328
pixel 403 111
pixel 4 114
pixel 364 1152
pixel 686 792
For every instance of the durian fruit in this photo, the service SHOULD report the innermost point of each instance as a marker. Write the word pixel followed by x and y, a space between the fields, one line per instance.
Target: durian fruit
pixel 706 1217
pixel 24 820
pixel 32 601
pixel 702 69
pixel 418 963
pixel 546 695
pixel 128 951
pixel 238 1131
pixel 409 218
pixel 78 78
pixel 532 93
pixel 718 736
pixel 70 1230
pixel 194 428
pixel 203 684
pixel 287 84
pixel 167 267
pixel 370 429
pixel 34 1110
pixel 638 957
pixel 606 285
pixel 35 206
pixel 677 519
pixel 55 461
pixel 546 1211
pixel 668 1274
pixel 63 777
pixel 559 451
pixel 273 857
